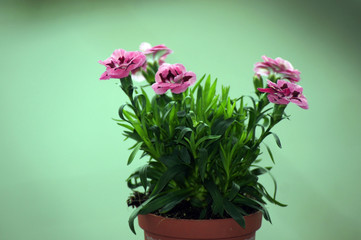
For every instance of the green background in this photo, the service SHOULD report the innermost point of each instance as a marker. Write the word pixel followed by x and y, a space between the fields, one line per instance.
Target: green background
pixel 63 160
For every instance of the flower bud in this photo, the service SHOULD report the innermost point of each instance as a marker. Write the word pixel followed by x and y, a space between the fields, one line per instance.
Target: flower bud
pixel 257 81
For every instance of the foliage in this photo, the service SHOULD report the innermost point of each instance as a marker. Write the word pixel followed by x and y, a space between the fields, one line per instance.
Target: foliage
pixel 202 146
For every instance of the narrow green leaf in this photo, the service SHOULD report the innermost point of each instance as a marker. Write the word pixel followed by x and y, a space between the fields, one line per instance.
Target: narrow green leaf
pixel 143 176
pixel 120 112
pixel 212 92
pixel 202 162
pixel 169 197
pixel 260 171
pixel 134 152
pixel 136 212
pixel 170 205
pixel 184 155
pixel 225 161
pixel 142 100
pixel 168 108
pixel 234 191
pixel 183 132
pixel 126 126
pixel 255 204
pixel 220 127
pixel 217 205
pixel 270 153
pixel 234 212
pixel 277 140
pixel 205 138
pixel 261 189
pixel 148 104
pixel 201 127
pixel 166 177
pixel 194 88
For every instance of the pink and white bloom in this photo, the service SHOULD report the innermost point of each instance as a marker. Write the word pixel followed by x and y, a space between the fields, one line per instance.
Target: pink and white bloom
pixel 278 66
pixel 173 77
pixel 284 92
pixel 121 63
pixel 160 51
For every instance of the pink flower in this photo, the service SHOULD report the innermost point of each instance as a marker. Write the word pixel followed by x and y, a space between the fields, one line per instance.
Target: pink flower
pixel 160 51
pixel 173 77
pixel 121 63
pixel 277 66
pixel 284 92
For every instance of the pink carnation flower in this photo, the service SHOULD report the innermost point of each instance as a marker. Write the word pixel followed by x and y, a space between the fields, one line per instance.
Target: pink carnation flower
pixel 121 63
pixel 284 92
pixel 278 66
pixel 159 49
pixel 173 77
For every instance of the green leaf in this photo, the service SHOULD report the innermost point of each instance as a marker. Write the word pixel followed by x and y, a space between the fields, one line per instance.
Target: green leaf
pixel 234 191
pixel 253 203
pixel 201 127
pixel 225 93
pixel 120 112
pixel 181 114
pixel 176 200
pixel 136 212
pixel 260 170
pixel 143 176
pixel 126 126
pixel 225 161
pixel 234 212
pixel 167 199
pixel 197 84
pixel 155 130
pixel 210 137
pixel 212 92
pixel 199 102
pixel 217 205
pixel 168 108
pixel 202 162
pixel 134 152
pixel 187 102
pixel 142 100
pixel 270 153
pixel 170 160
pixel 220 127
pixel 148 104
pixel 277 140
pixel 166 177
pixel 184 155
pixel 183 132
pixel 261 189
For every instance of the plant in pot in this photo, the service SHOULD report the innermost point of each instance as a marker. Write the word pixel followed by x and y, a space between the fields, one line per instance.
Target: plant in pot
pixel 201 147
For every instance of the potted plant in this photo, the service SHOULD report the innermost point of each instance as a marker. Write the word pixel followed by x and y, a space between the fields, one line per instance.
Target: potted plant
pixel 201 147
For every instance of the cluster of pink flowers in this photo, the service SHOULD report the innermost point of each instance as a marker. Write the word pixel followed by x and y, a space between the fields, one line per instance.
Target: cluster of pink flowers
pixel 172 77
pixel 283 91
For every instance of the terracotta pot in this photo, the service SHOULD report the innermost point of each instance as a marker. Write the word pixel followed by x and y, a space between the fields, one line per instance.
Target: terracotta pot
pixel 160 228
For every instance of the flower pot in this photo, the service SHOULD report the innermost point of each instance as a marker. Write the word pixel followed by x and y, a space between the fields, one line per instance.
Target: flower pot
pixel 161 228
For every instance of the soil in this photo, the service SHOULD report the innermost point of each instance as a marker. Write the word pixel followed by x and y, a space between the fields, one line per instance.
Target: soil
pixel 183 210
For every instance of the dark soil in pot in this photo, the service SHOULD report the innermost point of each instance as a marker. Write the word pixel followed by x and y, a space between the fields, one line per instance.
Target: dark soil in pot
pixel 183 210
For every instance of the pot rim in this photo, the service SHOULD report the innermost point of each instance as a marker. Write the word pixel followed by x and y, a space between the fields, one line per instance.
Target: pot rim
pixel 199 228
pixel 197 220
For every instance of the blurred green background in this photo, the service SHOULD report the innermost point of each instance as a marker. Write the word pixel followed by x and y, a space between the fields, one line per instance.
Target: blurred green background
pixel 63 160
